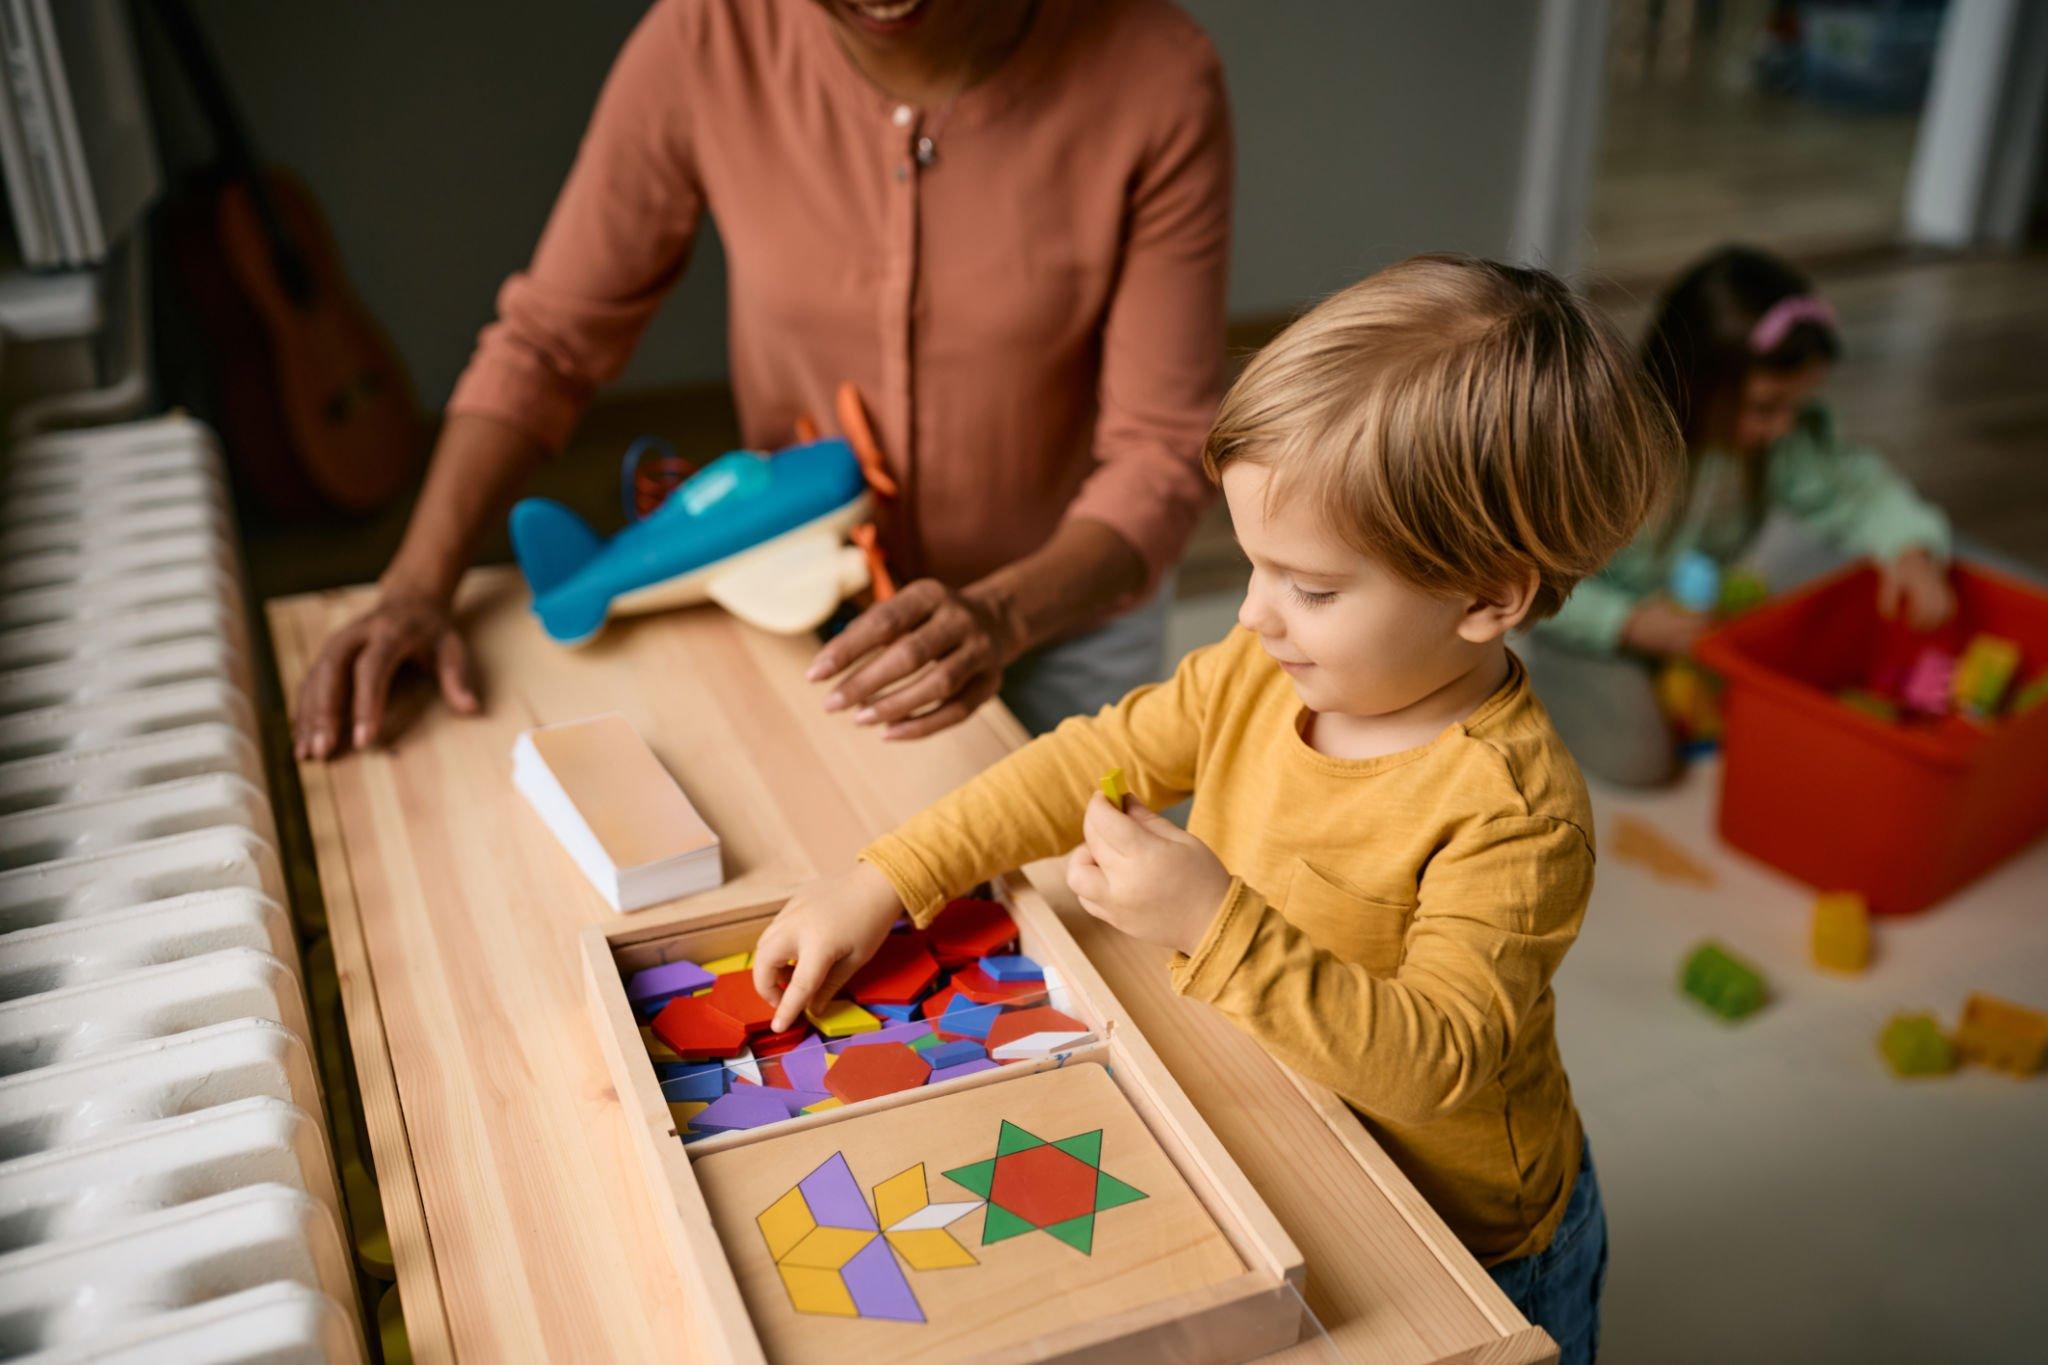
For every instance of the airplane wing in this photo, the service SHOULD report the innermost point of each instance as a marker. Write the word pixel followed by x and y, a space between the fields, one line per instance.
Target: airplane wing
pixel 792 587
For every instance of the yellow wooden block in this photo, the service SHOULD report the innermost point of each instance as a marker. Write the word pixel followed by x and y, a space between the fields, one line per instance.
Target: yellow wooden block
pixel 900 1196
pixel 1114 787
pixel 786 1222
pixel 828 1248
pixel 931 1249
pixel 822 1105
pixel 731 962
pixel 843 1019
pixel 812 1290
pixel 1841 932
pixel 1984 673
pixel 684 1112
pixel 658 1050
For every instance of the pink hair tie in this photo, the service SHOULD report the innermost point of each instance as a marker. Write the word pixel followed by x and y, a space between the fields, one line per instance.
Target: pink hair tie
pixel 1778 321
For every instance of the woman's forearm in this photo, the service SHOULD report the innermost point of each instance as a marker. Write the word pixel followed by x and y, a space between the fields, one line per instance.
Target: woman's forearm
pixel 479 464
pixel 1069 584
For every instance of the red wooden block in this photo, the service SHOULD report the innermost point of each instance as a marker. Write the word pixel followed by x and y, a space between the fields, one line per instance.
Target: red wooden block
pixel 968 930
pixel 861 1073
pixel 1011 1025
pixel 694 1028
pixel 775 1044
pixel 901 970
pixel 983 989
pixel 733 994
pixel 771 1071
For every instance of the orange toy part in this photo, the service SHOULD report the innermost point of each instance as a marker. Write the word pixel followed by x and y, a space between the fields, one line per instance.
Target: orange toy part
pixel 870 543
pixel 1633 841
pixel 853 420
pixel 2001 1035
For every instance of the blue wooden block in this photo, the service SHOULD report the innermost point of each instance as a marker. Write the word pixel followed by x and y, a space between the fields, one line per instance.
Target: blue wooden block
pixel 898 1013
pixel 691 1080
pixel 954 1053
pixel 1012 967
pixel 964 1016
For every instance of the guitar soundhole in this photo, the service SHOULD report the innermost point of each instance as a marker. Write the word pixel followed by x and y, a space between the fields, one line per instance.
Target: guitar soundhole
pixel 343 403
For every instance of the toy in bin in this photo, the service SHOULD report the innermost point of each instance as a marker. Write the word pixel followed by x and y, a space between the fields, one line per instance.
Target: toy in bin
pixel 1817 780
pixel 762 535
pixel 1689 695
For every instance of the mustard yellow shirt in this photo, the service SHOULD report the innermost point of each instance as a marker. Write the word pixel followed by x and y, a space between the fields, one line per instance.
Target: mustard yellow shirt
pixel 1392 923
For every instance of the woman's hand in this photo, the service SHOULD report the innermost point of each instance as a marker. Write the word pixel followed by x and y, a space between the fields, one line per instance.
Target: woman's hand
pixel 1143 874
pixel 351 680
pixel 824 934
pixel 962 640
pixel 1915 586
pixel 1665 629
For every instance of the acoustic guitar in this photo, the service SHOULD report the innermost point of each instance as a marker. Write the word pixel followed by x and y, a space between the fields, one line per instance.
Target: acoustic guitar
pixel 313 404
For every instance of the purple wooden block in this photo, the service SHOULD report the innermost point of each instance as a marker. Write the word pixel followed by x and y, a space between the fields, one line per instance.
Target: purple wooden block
pixel 804 1064
pixel 669 979
pixel 1012 967
pixel 795 1100
pixel 743 1106
pixel 877 1286
pixel 834 1198
pixel 893 1033
pixel 954 1053
pixel 948 1073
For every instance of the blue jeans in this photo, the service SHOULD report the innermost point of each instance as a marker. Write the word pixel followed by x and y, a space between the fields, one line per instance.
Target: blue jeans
pixel 1558 1288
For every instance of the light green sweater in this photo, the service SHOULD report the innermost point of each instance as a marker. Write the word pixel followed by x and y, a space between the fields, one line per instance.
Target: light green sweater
pixel 1844 493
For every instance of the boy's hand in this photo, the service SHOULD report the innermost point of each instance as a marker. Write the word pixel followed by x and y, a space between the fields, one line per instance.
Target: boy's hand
pixel 1665 629
pixel 1916 587
pixel 1146 876
pixel 828 930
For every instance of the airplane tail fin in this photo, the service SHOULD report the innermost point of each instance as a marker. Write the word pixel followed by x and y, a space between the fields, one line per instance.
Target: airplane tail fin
pixel 550 542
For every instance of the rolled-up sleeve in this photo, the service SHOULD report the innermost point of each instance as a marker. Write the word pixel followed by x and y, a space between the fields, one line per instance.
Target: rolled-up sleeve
pixel 616 242
pixel 1162 345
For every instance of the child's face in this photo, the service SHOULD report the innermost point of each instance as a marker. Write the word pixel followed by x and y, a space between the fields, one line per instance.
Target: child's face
pixel 1769 404
pixel 1355 638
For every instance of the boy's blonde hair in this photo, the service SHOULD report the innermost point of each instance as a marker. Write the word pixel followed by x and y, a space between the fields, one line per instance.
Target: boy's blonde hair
pixel 1460 421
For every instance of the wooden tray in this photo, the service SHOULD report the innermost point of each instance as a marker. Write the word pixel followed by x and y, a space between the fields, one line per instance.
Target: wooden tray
pixel 1198 1270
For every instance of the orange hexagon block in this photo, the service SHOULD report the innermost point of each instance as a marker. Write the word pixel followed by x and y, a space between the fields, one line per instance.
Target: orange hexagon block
pixel 862 1073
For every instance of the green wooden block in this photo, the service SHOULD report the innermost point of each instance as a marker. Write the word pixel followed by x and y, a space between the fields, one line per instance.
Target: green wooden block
pixel 1723 982
pixel 1914 1045
pixel 1741 591
pixel 2032 695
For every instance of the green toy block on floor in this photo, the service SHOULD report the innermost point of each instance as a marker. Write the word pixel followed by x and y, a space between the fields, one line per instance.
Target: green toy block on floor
pixel 1914 1045
pixel 1723 982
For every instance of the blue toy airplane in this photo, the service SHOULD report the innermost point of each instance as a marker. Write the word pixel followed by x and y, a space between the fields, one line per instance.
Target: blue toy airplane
pixel 763 536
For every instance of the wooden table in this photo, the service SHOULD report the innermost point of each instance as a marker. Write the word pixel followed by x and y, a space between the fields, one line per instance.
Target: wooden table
pixel 519 1220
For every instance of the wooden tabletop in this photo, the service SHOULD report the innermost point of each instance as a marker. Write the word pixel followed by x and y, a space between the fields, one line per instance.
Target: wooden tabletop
pixel 520 1225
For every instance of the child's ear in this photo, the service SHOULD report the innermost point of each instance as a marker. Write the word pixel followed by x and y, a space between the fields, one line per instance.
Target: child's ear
pixel 1493 615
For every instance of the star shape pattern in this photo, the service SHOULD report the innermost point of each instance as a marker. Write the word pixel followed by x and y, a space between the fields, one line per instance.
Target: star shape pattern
pixel 1054 1187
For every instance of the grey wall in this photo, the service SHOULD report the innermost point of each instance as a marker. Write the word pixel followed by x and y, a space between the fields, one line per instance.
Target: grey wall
pixel 436 134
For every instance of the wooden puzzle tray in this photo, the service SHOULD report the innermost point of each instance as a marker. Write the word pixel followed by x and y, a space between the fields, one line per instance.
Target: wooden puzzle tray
pixel 1071 1205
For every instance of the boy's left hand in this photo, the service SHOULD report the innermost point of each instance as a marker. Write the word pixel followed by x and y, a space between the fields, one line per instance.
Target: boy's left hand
pixel 1915 586
pixel 1145 875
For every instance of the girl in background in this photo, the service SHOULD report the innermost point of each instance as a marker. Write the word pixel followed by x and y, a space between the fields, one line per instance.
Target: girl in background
pixel 1740 347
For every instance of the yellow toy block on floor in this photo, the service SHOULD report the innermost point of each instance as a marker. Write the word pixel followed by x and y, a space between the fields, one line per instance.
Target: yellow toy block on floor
pixel 2001 1035
pixel 1841 932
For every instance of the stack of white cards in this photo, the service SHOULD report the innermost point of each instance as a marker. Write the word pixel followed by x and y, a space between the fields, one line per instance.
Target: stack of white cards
pixel 617 811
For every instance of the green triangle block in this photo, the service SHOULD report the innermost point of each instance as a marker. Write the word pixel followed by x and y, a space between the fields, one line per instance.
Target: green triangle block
pixel 1015 1139
pixel 1078 1233
pixel 1112 1193
pixel 1001 1224
pixel 1088 1147
pixel 978 1178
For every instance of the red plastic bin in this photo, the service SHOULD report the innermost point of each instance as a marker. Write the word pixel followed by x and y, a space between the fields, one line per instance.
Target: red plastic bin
pixel 1904 814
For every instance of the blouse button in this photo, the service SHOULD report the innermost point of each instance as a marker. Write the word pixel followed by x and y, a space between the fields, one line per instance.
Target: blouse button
pixel 903 115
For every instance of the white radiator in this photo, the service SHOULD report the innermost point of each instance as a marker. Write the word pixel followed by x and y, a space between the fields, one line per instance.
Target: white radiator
pixel 167 1189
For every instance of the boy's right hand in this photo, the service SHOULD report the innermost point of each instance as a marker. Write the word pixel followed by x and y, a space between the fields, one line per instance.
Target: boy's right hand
pixel 825 933
pixel 1665 629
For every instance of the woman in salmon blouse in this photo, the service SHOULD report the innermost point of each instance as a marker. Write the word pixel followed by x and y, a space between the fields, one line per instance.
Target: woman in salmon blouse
pixel 1006 221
